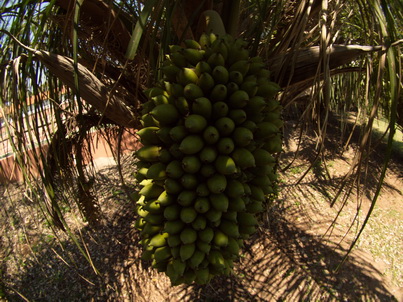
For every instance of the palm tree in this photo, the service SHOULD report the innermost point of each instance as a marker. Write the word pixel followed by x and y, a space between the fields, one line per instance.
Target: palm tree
pixel 76 66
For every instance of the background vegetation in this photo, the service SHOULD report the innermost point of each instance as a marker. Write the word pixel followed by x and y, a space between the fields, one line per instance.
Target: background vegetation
pixel 70 67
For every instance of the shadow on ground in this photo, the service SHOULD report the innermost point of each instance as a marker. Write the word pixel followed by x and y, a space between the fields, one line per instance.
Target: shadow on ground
pixel 280 263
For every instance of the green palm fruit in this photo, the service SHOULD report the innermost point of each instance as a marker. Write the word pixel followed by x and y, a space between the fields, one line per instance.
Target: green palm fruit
pixel 175 152
pixel 188 235
pixel 241 66
pixel 171 273
pixel 257 193
pixel 166 199
pixel 246 231
pixel 154 219
pixel 186 76
pixel 230 216
pixel 225 165
pixel 172 186
pixel 193 56
pixel 165 114
pixel 154 91
pixel 220 46
pixel 218 93
pixel 225 126
pixel 206 82
pixel 173 227
pixel 163 135
pixel 202 205
pixel 242 136
pixel 178 133
pixel 246 219
pixel 236 77
pixel 192 91
pixel 238 116
pixel 187 251
pixel 271 174
pixel 202 67
pixel 160 99
pixel 206 235
pixel 262 181
pixel 159 266
pixel 250 125
pixel 202 276
pixel 203 246
pixel 213 216
pixel 196 259
pixel 174 240
pixel 170 72
pixel 216 259
pixel 250 87
pixel 265 130
pixel 217 183
pixel 220 202
pixel 216 59
pixel 178 59
pixel 149 153
pixel 156 171
pixel 186 197
pixel 174 48
pixel 202 190
pixel 192 44
pixel 180 266
pixel 182 105
pixel 153 206
pixel 247 189
pixel 263 157
pixel 165 156
pixel 189 181
pixel 255 105
pixel 220 109
pixel 175 250
pixel 255 67
pixel 175 90
pixel 199 223
pixel 139 224
pixel 234 188
pixel 162 253
pixel 202 107
pixel 208 154
pixel 204 41
pixel 147 255
pixel 150 230
pixel 191 144
pixel 243 158
pixel 268 90
pixel 191 164
pixel 141 173
pixel 261 170
pixel 188 214
pixel 229 228
pixel 273 145
pixel 172 212
pixel 220 239
pixel 148 135
pixel 255 206
pixel 195 123
pixel 151 191
pixel 238 99
pixel 211 135
pixel 159 240
pixel 148 121
pixel 232 87
pixel 233 246
pixel 189 276
pixel 225 145
pixel 207 171
pixel 236 204
pixel 220 75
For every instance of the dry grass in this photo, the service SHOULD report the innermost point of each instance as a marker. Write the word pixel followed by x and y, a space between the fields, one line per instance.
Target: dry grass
pixel 288 260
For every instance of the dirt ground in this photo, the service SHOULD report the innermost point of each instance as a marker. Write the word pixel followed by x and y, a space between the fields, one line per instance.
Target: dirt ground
pixel 293 257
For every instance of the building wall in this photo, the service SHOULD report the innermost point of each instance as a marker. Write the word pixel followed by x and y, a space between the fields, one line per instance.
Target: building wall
pixel 10 171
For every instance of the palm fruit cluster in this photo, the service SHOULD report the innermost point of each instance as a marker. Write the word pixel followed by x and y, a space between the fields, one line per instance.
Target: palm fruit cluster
pixel 210 128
